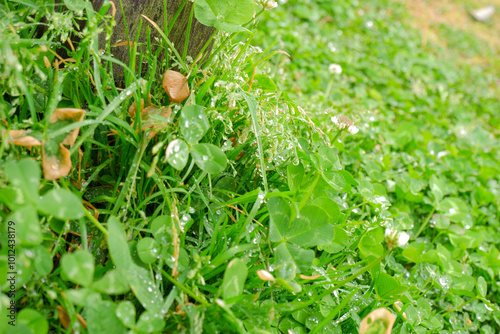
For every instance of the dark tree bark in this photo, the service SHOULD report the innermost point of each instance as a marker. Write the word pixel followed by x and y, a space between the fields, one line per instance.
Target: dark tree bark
pixel 153 9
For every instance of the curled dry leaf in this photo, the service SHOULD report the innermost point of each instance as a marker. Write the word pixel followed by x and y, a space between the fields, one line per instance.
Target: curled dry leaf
pixel 151 122
pixel 54 166
pixel 379 321
pixel 68 114
pixel 56 158
pixel 22 138
pixel 151 118
pixel 133 108
pixel 176 86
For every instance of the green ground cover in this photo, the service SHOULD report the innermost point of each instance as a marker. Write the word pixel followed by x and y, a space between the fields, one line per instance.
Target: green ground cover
pixel 324 165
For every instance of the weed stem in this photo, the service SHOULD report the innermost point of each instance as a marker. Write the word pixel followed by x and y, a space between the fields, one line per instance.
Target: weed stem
pixel 183 288
pixel 95 222
pixel 424 224
pixel 336 136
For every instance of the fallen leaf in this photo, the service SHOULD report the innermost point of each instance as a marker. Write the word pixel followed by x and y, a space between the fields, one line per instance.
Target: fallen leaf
pixel 71 114
pixel 176 86
pixel 46 61
pixel 151 119
pixel 81 320
pixel 379 321
pixel 56 166
pixel 309 277
pixel 21 138
pixel 265 275
pixel 133 109
pixel 63 316
pixel 129 43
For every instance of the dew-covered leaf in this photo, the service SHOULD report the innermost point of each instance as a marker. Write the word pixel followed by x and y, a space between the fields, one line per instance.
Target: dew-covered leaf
pixel 209 158
pixel 43 260
pixel 482 287
pixel 34 320
pixel 387 287
pixel 148 250
pixel 328 158
pixel 75 5
pixel 26 225
pixel 280 214
pixel 440 221
pixel 455 209
pixel 143 287
pixel 61 203
pixel 463 285
pixel 438 188
pixel 161 227
pixel 25 175
pixel 193 123
pixel 234 279
pixel 149 323
pixel 414 251
pixel 101 318
pixel 339 241
pixel 335 180
pixel 366 190
pixel 371 242
pixel 117 244
pixel 113 282
pixel 291 259
pixel 310 228
pixel 295 174
pixel 470 239
pixel 331 208
pixel 224 15
pixel 177 154
pixel 78 267
pixel 348 178
pixel 125 311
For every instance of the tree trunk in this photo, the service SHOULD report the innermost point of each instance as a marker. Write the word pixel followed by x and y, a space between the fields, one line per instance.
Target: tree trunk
pixel 153 9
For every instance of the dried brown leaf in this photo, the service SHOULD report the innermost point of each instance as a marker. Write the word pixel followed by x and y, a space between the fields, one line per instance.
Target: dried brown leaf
pixel 55 167
pixel 81 320
pixel 129 43
pixel 72 114
pixel 133 109
pixel 380 317
pixel 176 86
pixel 21 138
pixel 265 275
pixel 310 277
pixel 46 61
pixel 152 122
pixel 63 316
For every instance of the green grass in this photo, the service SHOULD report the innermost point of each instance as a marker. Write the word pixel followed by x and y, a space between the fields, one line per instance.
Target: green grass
pixel 261 214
